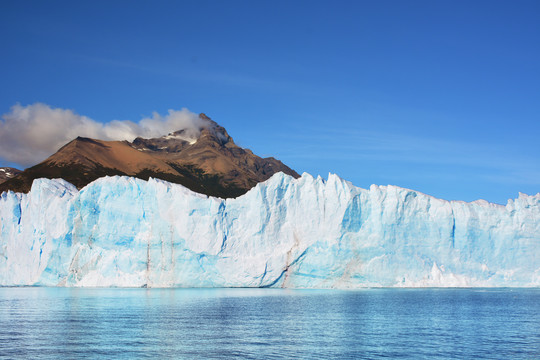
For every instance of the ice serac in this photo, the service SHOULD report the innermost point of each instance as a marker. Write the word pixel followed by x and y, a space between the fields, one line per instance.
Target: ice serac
pixel 285 232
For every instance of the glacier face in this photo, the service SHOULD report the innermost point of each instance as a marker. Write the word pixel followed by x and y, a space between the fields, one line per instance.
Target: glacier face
pixel 285 232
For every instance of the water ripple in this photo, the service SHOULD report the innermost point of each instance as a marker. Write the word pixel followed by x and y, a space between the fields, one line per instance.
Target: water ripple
pixel 44 323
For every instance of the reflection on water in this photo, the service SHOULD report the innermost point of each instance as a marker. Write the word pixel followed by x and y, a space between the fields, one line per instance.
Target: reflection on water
pixel 269 323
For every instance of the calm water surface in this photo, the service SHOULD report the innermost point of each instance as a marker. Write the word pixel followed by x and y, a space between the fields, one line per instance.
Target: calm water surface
pixel 269 324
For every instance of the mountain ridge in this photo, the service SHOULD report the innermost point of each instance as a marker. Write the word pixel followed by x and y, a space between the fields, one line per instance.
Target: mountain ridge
pixel 211 163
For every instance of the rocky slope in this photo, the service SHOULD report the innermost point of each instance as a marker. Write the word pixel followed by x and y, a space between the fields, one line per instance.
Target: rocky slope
pixel 211 164
pixel 7 173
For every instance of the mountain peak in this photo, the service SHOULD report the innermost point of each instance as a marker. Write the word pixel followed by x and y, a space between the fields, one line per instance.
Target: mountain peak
pixel 209 133
pixel 204 116
pixel 204 159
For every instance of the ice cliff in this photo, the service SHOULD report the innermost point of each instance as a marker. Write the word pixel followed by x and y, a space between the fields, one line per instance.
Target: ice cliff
pixel 286 232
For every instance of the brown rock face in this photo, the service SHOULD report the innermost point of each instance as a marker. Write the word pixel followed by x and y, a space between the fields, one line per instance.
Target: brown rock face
pixel 7 173
pixel 212 164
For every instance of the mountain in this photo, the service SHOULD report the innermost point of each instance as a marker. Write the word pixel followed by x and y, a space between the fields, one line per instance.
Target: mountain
pixel 7 173
pixel 285 232
pixel 209 163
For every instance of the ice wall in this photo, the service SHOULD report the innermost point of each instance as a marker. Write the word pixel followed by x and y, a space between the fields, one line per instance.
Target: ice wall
pixel 286 232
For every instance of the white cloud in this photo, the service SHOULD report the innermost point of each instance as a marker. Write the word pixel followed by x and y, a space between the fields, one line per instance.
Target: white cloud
pixel 29 134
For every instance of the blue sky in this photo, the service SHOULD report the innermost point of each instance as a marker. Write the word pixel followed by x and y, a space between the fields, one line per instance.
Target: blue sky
pixel 439 96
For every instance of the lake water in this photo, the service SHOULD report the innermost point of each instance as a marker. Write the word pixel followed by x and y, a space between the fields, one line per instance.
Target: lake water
pixel 270 323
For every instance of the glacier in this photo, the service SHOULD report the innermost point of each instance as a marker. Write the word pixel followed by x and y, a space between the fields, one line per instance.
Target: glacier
pixel 285 232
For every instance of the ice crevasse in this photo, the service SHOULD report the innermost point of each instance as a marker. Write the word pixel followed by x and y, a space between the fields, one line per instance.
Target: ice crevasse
pixel 285 232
